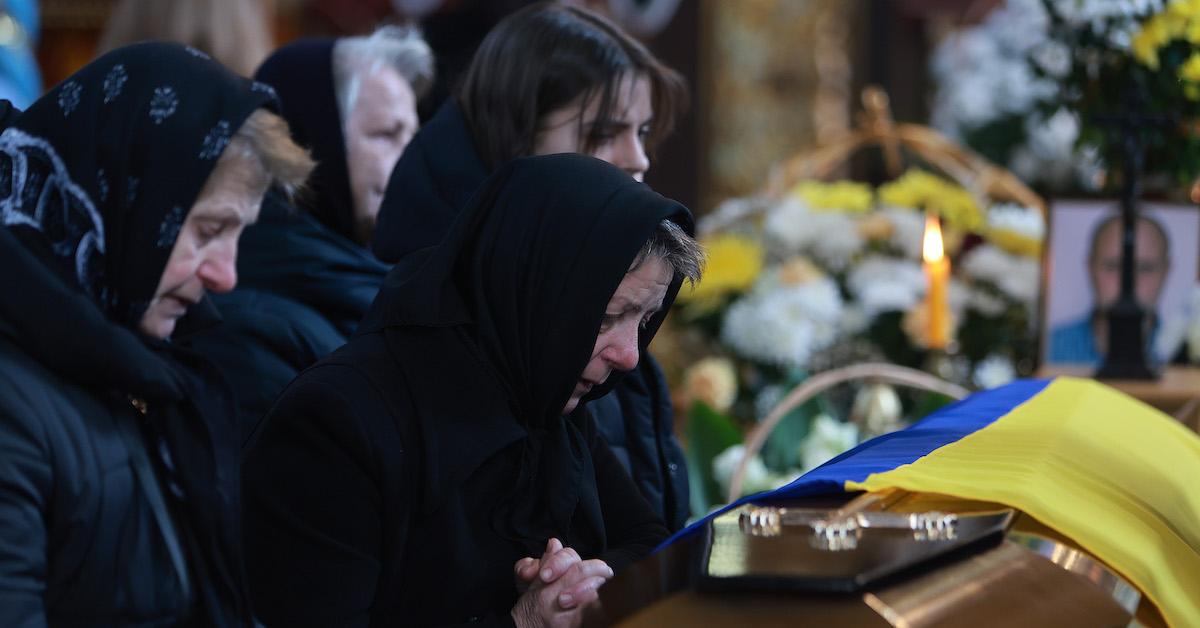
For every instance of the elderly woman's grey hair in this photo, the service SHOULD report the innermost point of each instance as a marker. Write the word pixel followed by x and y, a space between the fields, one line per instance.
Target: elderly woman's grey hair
pixel 677 249
pixel 401 48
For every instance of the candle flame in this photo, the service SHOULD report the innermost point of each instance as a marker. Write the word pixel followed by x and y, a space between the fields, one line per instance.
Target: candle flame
pixel 932 248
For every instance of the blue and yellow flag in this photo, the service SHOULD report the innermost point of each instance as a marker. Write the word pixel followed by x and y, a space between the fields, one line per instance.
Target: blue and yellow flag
pixel 1118 477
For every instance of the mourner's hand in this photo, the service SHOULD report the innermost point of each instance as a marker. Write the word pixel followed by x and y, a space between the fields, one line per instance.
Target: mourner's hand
pixel 554 563
pixel 557 592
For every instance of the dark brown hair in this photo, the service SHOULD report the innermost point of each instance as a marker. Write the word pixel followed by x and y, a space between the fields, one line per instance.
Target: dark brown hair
pixel 542 58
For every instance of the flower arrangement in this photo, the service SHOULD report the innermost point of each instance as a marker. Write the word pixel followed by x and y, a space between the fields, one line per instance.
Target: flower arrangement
pixel 831 274
pixel 1027 86
pixel 1148 55
pixel 993 81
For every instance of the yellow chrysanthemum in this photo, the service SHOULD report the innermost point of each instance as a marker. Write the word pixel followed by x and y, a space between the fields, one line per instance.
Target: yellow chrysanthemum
pixel 1179 20
pixel 1148 40
pixel 1015 243
pixel 922 190
pixel 734 262
pixel 841 196
pixel 1190 70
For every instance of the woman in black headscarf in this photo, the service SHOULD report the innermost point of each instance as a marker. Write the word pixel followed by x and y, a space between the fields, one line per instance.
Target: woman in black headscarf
pixel 552 78
pixel 305 278
pixel 399 481
pixel 122 194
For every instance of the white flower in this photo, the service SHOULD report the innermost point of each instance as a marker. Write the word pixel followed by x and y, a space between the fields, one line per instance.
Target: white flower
pixel 1024 221
pixel 854 320
pixel 827 437
pixel 881 284
pixel 1053 58
pixel 1015 276
pixel 994 371
pixel 908 230
pixel 755 479
pixel 829 237
pixel 784 325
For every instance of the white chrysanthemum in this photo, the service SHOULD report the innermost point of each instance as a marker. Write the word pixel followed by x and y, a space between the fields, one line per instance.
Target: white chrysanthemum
pixel 908 230
pixel 827 437
pixel 727 462
pixel 1018 219
pixel 1015 276
pixel 829 237
pixel 854 320
pixel 784 325
pixel 995 370
pixel 882 284
pixel 983 74
pixel 1053 58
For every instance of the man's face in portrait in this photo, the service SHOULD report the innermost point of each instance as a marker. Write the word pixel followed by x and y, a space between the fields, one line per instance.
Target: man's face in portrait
pixel 1150 268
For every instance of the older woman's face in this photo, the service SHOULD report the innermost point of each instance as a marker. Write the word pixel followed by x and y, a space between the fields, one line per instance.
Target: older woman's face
pixel 635 301
pixel 381 124
pixel 205 254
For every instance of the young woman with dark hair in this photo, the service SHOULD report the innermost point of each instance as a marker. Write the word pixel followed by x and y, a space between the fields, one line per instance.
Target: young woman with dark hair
pixel 551 79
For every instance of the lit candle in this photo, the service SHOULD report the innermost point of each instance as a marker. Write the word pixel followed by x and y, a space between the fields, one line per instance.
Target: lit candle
pixel 937 272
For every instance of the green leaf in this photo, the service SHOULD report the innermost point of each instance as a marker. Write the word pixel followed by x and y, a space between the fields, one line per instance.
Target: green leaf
pixel 709 434
pixel 782 449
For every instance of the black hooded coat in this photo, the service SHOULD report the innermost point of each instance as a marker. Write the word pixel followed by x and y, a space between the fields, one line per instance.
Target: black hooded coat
pixel 303 282
pixel 119 493
pixel 438 173
pixel 398 480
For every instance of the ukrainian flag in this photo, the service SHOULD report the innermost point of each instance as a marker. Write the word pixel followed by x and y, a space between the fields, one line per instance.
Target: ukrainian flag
pixel 1118 477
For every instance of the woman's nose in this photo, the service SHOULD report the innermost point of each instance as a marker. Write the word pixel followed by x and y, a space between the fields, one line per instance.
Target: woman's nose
pixel 632 156
pixel 218 272
pixel 622 353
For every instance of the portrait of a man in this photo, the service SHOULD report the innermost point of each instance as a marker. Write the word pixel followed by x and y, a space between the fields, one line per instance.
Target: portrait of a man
pixel 1084 278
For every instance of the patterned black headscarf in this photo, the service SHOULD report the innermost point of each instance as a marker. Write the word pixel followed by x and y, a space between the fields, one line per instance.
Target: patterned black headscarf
pixel 101 172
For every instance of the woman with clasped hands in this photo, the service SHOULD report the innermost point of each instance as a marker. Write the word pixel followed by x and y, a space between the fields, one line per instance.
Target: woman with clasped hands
pixel 442 467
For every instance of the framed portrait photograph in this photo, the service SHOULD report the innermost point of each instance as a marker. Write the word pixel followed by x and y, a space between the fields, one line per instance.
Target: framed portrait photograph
pixel 1082 276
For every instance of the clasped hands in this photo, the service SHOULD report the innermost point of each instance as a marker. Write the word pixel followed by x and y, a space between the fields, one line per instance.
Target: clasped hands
pixel 556 587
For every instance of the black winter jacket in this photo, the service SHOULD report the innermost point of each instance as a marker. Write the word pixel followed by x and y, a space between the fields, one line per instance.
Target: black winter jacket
pixel 94 529
pixel 434 179
pixel 302 289
pixel 344 527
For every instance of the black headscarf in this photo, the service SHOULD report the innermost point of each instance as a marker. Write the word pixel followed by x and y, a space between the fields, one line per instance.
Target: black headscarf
pixel 525 275
pixel 438 173
pixel 302 75
pixel 96 179
pixel 101 171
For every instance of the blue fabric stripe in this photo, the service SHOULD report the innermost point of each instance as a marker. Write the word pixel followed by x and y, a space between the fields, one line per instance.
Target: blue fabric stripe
pixel 884 453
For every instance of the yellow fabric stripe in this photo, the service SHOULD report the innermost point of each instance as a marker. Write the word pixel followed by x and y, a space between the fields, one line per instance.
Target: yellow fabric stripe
pixel 1117 476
